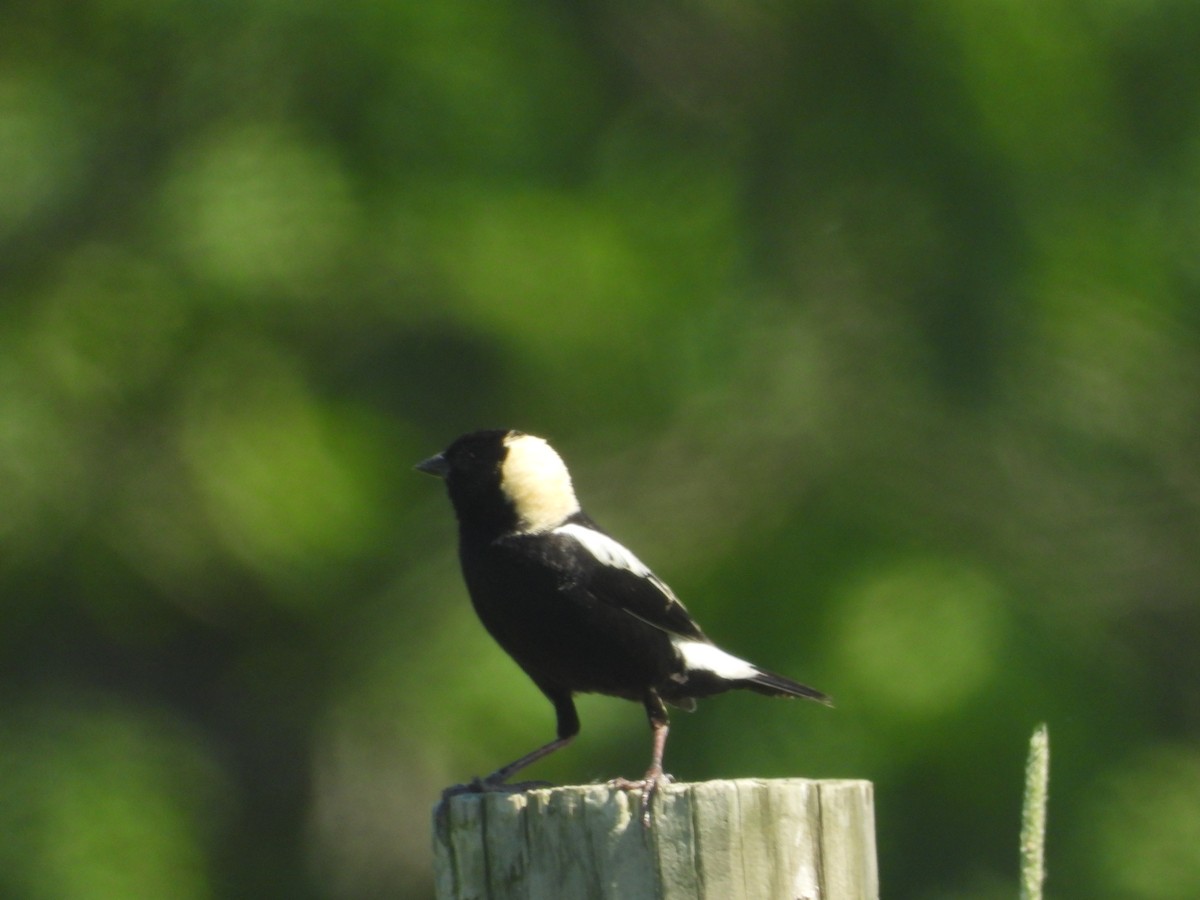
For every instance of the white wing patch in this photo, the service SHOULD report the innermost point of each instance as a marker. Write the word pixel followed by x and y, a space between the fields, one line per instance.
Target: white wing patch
pixel 606 550
pixel 702 656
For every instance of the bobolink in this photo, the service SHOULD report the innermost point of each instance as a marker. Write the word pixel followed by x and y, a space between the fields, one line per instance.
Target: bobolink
pixel 577 611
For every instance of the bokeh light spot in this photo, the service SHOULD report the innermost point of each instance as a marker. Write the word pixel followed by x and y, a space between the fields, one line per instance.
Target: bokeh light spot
pixel 260 211
pixel 922 637
pixel 1147 826
pixel 276 477
pixel 39 158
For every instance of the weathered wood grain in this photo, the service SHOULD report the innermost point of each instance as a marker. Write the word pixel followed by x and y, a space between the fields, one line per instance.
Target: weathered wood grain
pixel 748 839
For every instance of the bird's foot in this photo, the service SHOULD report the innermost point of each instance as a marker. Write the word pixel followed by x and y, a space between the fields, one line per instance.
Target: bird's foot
pixel 654 779
pixel 491 785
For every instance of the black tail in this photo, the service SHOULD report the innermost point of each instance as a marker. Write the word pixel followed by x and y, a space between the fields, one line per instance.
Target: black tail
pixel 773 685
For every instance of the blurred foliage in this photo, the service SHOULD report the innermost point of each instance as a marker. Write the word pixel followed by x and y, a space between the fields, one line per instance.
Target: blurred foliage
pixel 873 327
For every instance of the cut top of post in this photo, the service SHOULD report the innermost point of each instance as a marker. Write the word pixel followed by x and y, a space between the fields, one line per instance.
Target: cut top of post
pixel 747 839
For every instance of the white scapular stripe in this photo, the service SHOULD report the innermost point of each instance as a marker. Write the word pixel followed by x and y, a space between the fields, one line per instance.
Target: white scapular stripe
pixel 605 549
pixel 707 658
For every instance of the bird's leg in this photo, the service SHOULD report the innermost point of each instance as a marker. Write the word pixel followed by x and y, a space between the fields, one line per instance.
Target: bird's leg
pixel 568 728
pixel 496 781
pixel 654 777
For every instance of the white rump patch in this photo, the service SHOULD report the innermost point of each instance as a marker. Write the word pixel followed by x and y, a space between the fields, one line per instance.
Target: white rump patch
pixel 605 549
pixel 702 656
pixel 537 482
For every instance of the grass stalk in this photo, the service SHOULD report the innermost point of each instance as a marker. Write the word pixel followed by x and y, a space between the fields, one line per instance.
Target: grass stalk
pixel 1033 815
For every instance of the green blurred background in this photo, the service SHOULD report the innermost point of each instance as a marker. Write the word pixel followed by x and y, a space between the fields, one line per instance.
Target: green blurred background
pixel 873 327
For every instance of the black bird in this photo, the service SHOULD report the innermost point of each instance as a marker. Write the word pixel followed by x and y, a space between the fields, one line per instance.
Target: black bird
pixel 574 608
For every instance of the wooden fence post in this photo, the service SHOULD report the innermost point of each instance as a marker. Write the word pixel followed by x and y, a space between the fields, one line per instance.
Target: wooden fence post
pixel 749 839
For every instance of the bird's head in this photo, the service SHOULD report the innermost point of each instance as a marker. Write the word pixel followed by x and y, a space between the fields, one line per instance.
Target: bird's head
pixel 505 480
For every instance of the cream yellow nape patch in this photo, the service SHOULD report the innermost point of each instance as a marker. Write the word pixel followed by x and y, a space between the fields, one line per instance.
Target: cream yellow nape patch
pixel 537 482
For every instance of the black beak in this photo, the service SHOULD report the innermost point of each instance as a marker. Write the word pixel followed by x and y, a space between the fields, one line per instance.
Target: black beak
pixel 435 465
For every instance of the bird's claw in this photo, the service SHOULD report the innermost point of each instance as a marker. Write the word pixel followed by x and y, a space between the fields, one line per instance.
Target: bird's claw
pixel 648 787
